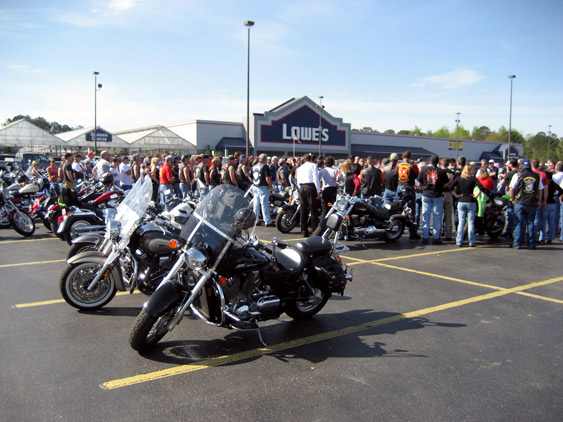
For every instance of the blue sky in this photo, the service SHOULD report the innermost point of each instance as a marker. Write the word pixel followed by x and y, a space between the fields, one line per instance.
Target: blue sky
pixel 383 64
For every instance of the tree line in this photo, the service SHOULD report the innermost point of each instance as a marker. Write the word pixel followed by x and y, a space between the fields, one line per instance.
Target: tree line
pixel 535 146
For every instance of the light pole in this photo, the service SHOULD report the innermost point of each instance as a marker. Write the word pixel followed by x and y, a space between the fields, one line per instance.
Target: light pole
pixel 511 77
pixel 248 24
pixel 548 139
pixel 320 123
pixel 456 135
pixel 97 87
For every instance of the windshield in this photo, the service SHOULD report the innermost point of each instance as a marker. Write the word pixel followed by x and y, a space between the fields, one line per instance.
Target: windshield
pixel 211 224
pixel 133 208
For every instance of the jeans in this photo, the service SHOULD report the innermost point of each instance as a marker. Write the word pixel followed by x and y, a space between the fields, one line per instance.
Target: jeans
pixel 184 189
pixel 432 207
pixel 540 222
pixel 166 192
pixel 418 209
pixel 261 199
pixel 389 196
pixel 448 213
pixel 525 215
pixel 510 220
pixel 550 218
pixel 466 210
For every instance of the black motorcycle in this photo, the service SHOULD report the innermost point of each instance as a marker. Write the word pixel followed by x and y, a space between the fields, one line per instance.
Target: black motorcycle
pixel 362 219
pixel 228 278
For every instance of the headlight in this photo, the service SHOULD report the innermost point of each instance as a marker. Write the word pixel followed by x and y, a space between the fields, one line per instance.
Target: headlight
pixel 113 228
pixel 196 259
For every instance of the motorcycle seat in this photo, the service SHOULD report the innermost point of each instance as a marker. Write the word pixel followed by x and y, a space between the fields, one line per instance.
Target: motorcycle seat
pixel 382 213
pixel 394 206
pixel 278 196
pixel 314 246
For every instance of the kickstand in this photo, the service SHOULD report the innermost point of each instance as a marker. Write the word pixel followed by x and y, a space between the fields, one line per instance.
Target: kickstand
pixel 260 337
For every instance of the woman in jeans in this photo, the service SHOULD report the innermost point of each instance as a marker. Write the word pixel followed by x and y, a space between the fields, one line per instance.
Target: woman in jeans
pixel 463 188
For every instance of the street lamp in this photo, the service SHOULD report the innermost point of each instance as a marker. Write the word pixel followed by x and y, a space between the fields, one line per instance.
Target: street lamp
pixel 548 139
pixel 97 87
pixel 511 77
pixel 320 123
pixel 456 135
pixel 248 24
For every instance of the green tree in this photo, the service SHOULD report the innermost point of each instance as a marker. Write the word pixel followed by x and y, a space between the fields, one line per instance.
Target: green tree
pixel 443 132
pixel 404 132
pixel 537 147
pixel 390 131
pixel 480 133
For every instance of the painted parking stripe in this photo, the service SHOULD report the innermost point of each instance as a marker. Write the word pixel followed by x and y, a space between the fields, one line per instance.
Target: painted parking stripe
pixel 20 264
pixel 237 357
pixel 51 302
pixel 2 242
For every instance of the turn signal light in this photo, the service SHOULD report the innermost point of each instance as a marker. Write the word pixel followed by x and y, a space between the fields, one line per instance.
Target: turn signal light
pixel 347 217
pixel 223 281
pixel 329 205
pixel 173 244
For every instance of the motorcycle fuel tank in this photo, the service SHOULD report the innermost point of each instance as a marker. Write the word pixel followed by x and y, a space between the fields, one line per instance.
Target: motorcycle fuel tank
pixel 153 240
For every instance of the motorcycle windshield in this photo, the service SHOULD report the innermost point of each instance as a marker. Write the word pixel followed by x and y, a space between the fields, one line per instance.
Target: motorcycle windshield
pixel 132 209
pixel 211 226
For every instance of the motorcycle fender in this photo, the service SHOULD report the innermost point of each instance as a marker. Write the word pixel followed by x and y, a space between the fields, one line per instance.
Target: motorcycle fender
pixel 161 299
pixel 88 238
pixel 88 256
pixel 395 216
pixel 98 258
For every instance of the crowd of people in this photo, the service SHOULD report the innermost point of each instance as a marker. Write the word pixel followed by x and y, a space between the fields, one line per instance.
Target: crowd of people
pixel 449 201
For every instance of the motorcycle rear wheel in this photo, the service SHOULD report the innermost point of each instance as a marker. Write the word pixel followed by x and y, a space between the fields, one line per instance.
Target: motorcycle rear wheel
pixel 22 223
pixel 148 330
pixel 284 223
pixel 303 307
pixel 74 281
pixel 394 230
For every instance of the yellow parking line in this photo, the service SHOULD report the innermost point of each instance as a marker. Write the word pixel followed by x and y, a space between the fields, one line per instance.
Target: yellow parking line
pixel 28 240
pixel 32 263
pixel 51 302
pixel 237 357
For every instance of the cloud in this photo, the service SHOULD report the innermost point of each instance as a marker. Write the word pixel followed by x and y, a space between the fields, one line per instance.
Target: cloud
pixel 456 79
pixel 121 5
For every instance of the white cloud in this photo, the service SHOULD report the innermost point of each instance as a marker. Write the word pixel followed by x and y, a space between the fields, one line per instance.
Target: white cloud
pixel 456 79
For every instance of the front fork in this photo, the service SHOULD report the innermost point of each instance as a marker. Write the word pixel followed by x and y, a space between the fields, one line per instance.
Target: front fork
pixel 110 259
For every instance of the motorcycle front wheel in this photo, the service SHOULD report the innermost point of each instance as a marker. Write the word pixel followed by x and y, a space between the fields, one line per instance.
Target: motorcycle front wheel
pixel 394 230
pixel 74 283
pixel 76 223
pixel 284 223
pixel 495 228
pixel 307 305
pixel 22 223
pixel 148 330
pixel 77 248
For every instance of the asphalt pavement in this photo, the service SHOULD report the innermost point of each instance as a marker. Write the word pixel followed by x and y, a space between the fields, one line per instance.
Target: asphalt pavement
pixel 423 333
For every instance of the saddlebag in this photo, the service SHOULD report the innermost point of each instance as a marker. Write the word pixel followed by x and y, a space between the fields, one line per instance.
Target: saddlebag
pixel 332 272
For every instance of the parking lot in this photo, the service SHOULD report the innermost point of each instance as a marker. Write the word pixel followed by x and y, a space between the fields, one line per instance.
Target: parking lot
pixel 423 333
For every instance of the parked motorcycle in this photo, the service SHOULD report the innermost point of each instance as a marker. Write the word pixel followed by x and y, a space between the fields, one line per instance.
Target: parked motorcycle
pixel 494 218
pixel 228 278
pixel 362 219
pixel 132 255
pixel 20 220
pixel 288 214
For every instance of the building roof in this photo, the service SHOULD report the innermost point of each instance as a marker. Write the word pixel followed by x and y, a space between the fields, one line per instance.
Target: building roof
pixel 386 150
pixel 23 133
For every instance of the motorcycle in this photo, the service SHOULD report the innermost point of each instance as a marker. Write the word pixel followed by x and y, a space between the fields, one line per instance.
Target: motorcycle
pixel 494 218
pixel 228 278
pixel 20 220
pixel 363 219
pixel 288 214
pixel 131 256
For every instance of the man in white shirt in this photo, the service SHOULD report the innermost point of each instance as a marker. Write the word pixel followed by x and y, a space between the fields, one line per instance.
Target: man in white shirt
pixel 103 166
pixel 77 167
pixel 310 192
pixel 125 174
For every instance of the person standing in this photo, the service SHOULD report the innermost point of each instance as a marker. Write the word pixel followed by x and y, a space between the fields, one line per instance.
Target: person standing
pixel 125 172
pixel 203 176
pixel 390 179
pixel 407 172
pixel 229 174
pixel 262 183
pixel 504 186
pixel 274 167
pixel 448 201
pixel 78 169
pixel 154 174
pixel 283 176
pixel 329 186
pixel 463 188
pixel 372 180
pixel 166 186
pixel 526 192
pixel 68 176
pixel 433 180
pixel 310 193
pixel 215 173
pixel 185 176
pixel 541 215
pixel 103 165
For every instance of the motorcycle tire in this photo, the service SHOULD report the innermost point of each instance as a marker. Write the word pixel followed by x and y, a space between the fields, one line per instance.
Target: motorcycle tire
pixel 77 248
pixel 75 223
pixel 22 223
pixel 300 309
pixel 55 227
pixel 321 228
pixel 284 223
pixel 496 228
pixel 148 330
pixel 46 222
pixel 394 230
pixel 74 280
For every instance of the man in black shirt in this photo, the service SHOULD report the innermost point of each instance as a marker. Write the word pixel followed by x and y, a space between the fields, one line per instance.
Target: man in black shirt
pixel 372 179
pixel 407 172
pixel 390 180
pixel 433 181
pixel 262 183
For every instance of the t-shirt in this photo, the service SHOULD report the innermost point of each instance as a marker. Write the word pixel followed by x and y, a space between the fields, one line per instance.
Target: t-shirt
pixel 125 178
pixel 432 179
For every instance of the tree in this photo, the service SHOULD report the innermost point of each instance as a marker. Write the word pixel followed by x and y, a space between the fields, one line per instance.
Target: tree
pixel 390 132
pixel 404 132
pixel 443 132
pixel 417 131
pixel 537 146
pixel 480 133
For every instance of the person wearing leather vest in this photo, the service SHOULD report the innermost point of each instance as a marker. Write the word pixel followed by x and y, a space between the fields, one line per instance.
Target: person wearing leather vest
pixel 407 172
pixel 526 192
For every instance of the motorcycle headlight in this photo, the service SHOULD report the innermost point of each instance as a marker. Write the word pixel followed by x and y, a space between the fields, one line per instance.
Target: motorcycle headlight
pixel 113 228
pixel 196 259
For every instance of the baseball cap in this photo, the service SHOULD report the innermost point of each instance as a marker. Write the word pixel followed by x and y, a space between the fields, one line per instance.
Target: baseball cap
pixel 491 161
pixel 525 163
pixel 230 157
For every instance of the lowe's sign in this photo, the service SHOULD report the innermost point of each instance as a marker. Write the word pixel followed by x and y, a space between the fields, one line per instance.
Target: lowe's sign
pixel 300 122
